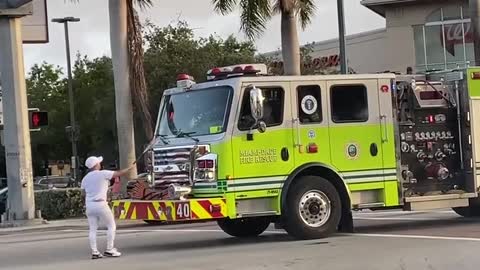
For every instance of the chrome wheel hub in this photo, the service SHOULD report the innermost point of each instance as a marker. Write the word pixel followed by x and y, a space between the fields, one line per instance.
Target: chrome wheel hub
pixel 314 208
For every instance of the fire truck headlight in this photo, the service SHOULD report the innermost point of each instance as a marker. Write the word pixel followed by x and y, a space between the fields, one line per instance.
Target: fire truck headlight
pixel 206 168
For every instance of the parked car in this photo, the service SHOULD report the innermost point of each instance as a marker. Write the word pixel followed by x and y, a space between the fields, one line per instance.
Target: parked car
pixel 3 182
pixel 3 200
pixel 50 182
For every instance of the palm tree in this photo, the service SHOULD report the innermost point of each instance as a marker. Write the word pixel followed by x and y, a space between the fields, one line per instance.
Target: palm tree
pixel 256 13
pixel 129 77
pixel 130 85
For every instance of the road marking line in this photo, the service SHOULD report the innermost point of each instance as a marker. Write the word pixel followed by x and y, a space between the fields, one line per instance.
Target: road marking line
pixel 165 230
pixel 396 218
pixel 400 213
pixel 470 239
pixel 416 237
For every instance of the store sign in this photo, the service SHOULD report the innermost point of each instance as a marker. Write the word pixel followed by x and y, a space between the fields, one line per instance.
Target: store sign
pixel 316 63
pixel 455 34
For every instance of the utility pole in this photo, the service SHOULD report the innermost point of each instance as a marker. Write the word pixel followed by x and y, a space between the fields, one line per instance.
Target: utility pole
pixel 21 201
pixel 73 130
pixel 475 17
pixel 341 37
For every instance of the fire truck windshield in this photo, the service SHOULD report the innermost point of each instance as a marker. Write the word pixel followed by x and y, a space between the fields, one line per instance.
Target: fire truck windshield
pixel 196 113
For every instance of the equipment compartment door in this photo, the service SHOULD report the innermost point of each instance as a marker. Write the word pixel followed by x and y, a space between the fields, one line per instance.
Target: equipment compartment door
pixel 309 108
pixel 473 80
pixel 356 132
pixel 265 160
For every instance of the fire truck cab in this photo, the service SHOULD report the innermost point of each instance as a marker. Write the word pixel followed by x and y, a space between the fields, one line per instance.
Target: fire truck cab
pixel 247 149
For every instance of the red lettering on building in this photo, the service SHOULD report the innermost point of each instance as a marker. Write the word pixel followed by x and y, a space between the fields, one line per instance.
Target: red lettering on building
pixel 316 63
pixel 455 34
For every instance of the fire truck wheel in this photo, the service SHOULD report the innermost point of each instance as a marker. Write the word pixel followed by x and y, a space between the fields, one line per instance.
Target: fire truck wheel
pixel 313 208
pixel 245 227
pixel 471 211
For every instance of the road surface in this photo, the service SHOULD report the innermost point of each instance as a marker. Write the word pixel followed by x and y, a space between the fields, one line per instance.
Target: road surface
pixel 384 240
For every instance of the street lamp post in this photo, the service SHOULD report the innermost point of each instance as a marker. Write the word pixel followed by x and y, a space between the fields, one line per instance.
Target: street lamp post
pixel 73 130
pixel 341 38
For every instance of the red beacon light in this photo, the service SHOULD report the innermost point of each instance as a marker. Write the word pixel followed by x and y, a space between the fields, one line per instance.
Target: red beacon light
pixel 250 69
pixel 237 70
pixel 216 71
pixel 182 77
pixel 185 81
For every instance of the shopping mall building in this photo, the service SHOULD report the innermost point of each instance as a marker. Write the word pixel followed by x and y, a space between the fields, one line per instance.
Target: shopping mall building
pixel 421 34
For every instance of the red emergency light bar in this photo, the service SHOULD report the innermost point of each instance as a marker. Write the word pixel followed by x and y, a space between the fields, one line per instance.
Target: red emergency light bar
pixel 238 70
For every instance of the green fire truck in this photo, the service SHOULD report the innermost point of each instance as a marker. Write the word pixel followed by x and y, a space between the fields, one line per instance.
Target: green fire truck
pixel 247 150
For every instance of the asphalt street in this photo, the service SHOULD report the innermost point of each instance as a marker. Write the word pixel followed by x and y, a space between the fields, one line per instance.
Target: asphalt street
pixel 384 240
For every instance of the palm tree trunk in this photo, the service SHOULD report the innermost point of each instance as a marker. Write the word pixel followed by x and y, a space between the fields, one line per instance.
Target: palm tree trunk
pixel 123 98
pixel 290 44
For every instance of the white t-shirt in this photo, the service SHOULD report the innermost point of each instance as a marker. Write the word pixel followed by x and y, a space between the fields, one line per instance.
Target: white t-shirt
pixel 96 185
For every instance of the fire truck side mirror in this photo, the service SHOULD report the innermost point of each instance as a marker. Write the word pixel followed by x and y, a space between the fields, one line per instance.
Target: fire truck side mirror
pixel 256 103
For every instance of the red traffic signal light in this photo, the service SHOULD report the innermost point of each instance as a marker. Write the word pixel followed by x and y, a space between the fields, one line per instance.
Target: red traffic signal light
pixel 38 119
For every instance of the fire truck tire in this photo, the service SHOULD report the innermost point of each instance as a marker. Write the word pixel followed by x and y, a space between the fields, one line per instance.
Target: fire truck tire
pixel 245 227
pixel 313 208
pixel 471 211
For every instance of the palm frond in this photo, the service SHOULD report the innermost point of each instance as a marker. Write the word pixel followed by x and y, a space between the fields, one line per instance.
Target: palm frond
pixel 144 4
pixel 254 16
pixel 224 6
pixel 138 84
pixel 305 11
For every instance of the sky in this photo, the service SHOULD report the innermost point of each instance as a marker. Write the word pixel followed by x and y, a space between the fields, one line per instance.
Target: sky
pixel 91 37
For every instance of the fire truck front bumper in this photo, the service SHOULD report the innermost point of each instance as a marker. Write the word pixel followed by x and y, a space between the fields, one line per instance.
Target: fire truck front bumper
pixel 170 210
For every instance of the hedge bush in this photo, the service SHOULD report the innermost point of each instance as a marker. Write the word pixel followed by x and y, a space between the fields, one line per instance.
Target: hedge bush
pixel 60 203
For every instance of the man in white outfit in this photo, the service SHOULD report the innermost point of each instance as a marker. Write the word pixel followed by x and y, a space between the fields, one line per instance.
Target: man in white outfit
pixel 96 183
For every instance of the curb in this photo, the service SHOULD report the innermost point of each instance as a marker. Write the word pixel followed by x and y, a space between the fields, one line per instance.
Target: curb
pixel 83 224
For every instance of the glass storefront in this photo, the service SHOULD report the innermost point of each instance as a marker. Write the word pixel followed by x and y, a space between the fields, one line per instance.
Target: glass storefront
pixel 445 41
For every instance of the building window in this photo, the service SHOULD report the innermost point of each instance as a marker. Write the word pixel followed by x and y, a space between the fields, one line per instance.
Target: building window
pixel 309 104
pixel 272 105
pixel 445 41
pixel 349 103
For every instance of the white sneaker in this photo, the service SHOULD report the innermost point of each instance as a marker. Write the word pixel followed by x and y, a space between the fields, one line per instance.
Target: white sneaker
pixel 112 253
pixel 96 255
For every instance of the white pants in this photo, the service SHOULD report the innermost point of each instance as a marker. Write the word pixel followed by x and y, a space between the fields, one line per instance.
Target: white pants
pixel 99 212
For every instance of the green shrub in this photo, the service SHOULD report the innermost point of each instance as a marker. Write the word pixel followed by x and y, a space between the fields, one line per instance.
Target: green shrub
pixel 60 203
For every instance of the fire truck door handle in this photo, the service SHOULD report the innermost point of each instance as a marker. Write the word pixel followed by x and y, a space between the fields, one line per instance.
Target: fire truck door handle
pixel 285 155
pixel 373 149
pixel 383 123
pixel 296 123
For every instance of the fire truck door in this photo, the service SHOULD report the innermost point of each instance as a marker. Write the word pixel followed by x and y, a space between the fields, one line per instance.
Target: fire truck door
pixel 262 161
pixel 357 132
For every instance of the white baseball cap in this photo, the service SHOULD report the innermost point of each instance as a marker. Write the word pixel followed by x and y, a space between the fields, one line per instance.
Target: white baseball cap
pixel 92 161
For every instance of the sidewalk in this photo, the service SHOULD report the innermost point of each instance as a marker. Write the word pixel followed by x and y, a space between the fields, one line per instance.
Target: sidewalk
pixel 78 223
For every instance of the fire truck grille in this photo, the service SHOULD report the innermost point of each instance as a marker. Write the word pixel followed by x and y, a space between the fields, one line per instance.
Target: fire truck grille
pixel 174 166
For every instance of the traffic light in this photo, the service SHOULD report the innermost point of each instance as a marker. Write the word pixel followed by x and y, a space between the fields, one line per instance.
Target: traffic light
pixel 38 119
